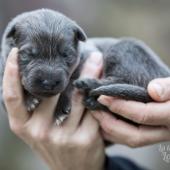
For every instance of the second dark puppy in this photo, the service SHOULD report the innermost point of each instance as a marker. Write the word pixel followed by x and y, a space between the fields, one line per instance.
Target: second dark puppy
pixel 129 66
pixel 51 57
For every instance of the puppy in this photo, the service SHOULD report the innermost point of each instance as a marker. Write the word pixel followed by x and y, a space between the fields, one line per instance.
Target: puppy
pixel 129 66
pixel 51 57
pixel 48 55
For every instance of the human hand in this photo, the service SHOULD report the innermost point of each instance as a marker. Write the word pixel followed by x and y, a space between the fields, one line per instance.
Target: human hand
pixel 153 118
pixel 74 145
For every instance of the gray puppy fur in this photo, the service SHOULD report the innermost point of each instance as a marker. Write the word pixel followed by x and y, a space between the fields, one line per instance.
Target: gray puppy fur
pixel 48 46
pixel 129 66
pixel 51 57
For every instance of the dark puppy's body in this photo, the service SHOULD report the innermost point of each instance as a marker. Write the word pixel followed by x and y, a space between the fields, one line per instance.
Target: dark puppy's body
pixel 129 65
pixel 48 47
pixel 51 57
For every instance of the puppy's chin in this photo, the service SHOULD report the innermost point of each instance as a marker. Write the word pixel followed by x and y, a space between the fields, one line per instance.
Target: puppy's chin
pixel 43 94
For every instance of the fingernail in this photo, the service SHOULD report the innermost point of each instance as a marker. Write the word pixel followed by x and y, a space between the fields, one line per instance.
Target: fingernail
pixel 95 58
pixel 13 51
pixel 103 100
pixel 159 89
pixel 13 54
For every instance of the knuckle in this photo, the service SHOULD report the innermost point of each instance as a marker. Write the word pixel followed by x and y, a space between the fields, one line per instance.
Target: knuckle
pixel 107 128
pixel 134 141
pixel 16 128
pixel 107 125
pixel 10 97
pixel 139 118
pixel 58 140
pixel 145 116
pixel 84 141
pixel 63 142
pixel 142 117
pixel 39 136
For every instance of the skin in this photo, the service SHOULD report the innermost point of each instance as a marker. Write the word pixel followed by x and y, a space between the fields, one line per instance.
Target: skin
pixel 77 142
pixel 55 143
pixel 154 117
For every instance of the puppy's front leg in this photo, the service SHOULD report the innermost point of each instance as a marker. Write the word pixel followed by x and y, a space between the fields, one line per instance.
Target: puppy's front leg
pixel 63 108
pixel 87 84
pixel 31 102
pixel 125 91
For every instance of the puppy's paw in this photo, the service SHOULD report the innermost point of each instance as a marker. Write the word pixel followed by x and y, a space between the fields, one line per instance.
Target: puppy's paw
pixel 85 84
pixel 62 114
pixel 31 104
pixel 60 119
pixel 66 110
pixel 81 84
pixel 90 103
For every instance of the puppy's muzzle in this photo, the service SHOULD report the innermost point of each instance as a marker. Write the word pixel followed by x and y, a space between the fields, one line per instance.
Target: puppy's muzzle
pixel 44 82
pixel 50 81
pixel 49 84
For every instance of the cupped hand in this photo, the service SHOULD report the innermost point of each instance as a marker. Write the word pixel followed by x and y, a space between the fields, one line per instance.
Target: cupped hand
pixel 76 144
pixel 153 118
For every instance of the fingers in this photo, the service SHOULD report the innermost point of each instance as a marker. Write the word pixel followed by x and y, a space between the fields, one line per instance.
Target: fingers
pixel 89 124
pixel 93 66
pixel 159 89
pixel 148 114
pixel 116 130
pixel 43 116
pixel 77 110
pixel 88 130
pixel 12 91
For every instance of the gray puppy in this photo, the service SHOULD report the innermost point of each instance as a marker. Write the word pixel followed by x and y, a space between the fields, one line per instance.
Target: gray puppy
pixel 48 55
pixel 129 66
pixel 51 57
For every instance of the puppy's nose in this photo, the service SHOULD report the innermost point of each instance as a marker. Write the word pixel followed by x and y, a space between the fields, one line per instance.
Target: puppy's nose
pixel 49 84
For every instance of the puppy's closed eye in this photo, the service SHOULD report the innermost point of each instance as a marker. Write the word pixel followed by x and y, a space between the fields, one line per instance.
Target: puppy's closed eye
pixel 29 49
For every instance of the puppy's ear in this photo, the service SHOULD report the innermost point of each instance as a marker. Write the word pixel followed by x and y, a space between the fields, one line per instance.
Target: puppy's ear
pixel 80 34
pixel 11 35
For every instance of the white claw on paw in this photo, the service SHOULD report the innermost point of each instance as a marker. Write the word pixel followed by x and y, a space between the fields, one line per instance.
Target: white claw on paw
pixel 29 109
pixel 32 106
pixel 58 122
pixel 36 101
pixel 68 111
pixel 60 119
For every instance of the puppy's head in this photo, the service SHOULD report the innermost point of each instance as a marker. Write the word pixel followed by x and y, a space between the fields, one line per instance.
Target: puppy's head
pixel 47 42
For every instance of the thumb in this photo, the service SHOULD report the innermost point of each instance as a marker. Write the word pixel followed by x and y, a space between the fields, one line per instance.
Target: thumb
pixel 159 89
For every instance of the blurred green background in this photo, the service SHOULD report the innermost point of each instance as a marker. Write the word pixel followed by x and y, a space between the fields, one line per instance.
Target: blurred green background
pixel 148 20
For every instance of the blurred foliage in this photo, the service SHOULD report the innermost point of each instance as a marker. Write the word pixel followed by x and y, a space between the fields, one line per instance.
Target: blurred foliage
pixel 145 19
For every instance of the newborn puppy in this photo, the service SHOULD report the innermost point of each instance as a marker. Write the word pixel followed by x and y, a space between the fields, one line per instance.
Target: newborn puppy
pixel 129 66
pixel 51 57
pixel 48 55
